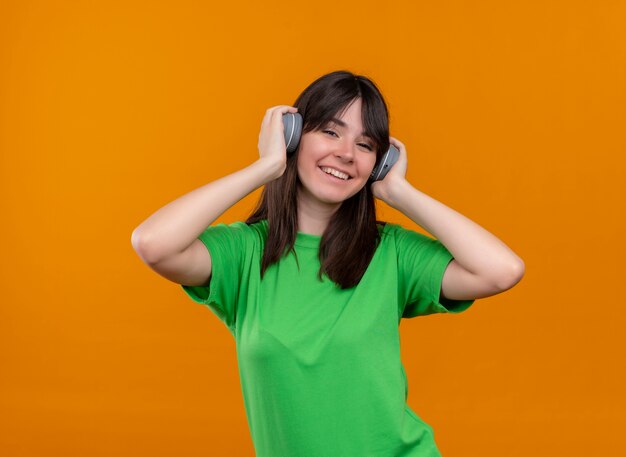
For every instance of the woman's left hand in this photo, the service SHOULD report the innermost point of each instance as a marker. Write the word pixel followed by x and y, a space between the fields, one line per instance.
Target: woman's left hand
pixel 388 187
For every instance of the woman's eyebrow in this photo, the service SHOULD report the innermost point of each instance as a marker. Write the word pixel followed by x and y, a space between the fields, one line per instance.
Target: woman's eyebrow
pixel 341 123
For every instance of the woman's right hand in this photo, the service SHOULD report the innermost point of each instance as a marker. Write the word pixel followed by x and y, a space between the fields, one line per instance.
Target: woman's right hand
pixel 272 148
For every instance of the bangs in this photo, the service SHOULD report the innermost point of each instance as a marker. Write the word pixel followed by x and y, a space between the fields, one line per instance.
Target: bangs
pixel 329 97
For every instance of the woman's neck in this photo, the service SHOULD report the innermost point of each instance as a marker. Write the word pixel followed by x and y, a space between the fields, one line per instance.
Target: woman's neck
pixel 313 218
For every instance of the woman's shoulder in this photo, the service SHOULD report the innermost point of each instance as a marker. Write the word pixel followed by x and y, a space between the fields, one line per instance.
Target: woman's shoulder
pixel 259 228
pixel 387 228
pixel 241 229
pixel 390 231
pixel 243 225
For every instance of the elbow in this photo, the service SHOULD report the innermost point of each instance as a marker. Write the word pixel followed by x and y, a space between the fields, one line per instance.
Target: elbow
pixel 140 246
pixel 134 239
pixel 514 274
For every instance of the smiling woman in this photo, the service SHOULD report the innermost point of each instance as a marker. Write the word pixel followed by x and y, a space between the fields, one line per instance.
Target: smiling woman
pixel 346 129
pixel 344 156
pixel 312 286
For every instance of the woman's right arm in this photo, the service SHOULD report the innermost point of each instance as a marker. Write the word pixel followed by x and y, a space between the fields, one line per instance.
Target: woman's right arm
pixel 168 236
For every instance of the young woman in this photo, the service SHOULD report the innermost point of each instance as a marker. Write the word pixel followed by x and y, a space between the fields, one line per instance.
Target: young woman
pixel 313 288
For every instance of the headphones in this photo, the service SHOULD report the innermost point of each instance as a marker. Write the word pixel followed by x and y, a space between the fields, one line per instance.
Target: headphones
pixel 293 131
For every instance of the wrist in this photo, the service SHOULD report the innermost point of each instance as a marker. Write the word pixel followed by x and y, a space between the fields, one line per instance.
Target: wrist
pixel 269 169
pixel 394 191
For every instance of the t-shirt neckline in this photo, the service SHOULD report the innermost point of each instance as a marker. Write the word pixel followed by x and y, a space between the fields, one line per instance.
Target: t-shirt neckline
pixel 308 240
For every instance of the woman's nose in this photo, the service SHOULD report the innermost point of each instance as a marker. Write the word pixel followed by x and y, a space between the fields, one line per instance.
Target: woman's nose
pixel 345 151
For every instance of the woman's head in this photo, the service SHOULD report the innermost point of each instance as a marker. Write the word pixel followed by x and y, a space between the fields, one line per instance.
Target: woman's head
pixel 335 96
pixel 330 95
pixel 354 148
pixel 334 162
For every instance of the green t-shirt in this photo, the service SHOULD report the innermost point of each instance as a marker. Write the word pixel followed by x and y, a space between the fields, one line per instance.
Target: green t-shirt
pixel 319 366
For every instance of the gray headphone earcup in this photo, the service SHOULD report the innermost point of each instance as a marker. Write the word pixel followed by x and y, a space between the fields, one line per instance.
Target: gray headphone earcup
pixel 386 162
pixel 293 130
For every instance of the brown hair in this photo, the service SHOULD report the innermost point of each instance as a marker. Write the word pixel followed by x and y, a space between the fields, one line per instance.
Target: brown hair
pixel 351 237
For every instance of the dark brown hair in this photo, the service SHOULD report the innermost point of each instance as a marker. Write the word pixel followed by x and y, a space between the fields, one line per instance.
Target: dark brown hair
pixel 351 237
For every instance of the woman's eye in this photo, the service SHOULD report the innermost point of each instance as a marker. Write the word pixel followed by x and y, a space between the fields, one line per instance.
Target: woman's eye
pixel 360 144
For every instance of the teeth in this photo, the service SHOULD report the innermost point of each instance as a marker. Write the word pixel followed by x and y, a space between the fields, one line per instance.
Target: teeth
pixel 335 173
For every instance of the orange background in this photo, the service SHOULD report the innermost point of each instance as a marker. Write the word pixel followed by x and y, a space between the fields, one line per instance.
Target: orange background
pixel 512 114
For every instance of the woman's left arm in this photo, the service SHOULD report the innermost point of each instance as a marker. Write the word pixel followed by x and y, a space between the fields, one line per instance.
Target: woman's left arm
pixel 483 265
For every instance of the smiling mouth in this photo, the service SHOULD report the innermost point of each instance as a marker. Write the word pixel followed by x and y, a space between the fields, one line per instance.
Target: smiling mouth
pixel 335 174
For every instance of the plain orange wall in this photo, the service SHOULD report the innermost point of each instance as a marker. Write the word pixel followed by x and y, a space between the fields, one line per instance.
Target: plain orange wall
pixel 513 114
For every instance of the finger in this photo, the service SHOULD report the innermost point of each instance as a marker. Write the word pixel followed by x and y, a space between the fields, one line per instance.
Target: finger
pixel 283 109
pixel 270 112
pixel 278 111
pixel 395 142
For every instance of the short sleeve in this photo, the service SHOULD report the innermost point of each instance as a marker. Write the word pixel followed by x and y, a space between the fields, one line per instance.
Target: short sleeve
pixel 422 261
pixel 227 245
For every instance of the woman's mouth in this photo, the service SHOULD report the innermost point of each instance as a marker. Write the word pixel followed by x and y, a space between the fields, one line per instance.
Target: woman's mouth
pixel 333 174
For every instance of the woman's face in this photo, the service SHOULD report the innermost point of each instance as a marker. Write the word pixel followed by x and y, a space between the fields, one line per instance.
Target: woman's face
pixel 339 149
